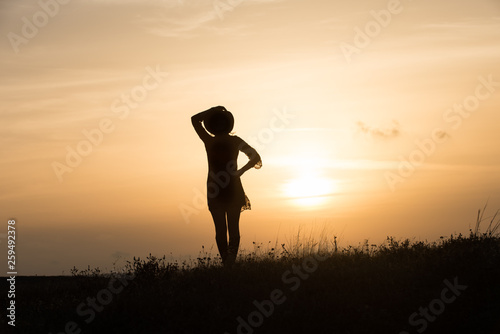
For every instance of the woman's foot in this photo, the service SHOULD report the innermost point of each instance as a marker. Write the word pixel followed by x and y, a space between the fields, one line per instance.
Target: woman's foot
pixel 230 259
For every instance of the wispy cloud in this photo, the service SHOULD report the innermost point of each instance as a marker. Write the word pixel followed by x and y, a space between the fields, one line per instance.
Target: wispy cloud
pixel 182 18
pixel 388 132
pixel 179 26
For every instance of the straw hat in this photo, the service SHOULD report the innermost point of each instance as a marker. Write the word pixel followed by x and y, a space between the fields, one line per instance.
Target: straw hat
pixel 220 122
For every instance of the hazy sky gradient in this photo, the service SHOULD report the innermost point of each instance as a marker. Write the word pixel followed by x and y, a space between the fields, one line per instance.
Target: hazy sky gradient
pixel 353 121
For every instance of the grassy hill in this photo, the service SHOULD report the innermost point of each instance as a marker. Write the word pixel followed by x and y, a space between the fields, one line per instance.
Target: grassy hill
pixel 448 286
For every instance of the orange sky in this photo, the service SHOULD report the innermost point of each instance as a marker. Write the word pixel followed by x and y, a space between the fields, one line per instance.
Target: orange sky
pixel 335 96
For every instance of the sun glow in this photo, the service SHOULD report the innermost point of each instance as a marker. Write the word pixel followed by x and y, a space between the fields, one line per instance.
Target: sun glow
pixel 310 190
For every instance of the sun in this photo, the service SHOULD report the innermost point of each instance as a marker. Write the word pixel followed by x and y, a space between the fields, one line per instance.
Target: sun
pixel 310 189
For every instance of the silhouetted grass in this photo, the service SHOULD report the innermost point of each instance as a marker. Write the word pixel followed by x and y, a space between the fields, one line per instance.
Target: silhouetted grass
pixel 363 289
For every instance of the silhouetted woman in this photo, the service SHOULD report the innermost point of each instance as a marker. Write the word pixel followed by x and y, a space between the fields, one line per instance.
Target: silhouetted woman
pixel 225 194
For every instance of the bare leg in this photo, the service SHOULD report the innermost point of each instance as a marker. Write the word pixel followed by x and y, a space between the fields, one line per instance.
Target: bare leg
pixel 219 217
pixel 233 224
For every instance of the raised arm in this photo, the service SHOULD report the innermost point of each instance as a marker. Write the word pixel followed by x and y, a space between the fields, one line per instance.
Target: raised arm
pixel 253 156
pixel 197 119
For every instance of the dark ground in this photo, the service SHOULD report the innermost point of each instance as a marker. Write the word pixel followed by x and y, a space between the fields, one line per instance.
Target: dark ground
pixel 366 289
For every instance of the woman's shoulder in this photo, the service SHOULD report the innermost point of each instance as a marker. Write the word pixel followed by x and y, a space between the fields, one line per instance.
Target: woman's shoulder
pixel 236 139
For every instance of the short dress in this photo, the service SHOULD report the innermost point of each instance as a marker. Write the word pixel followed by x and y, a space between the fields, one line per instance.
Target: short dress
pixel 224 188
